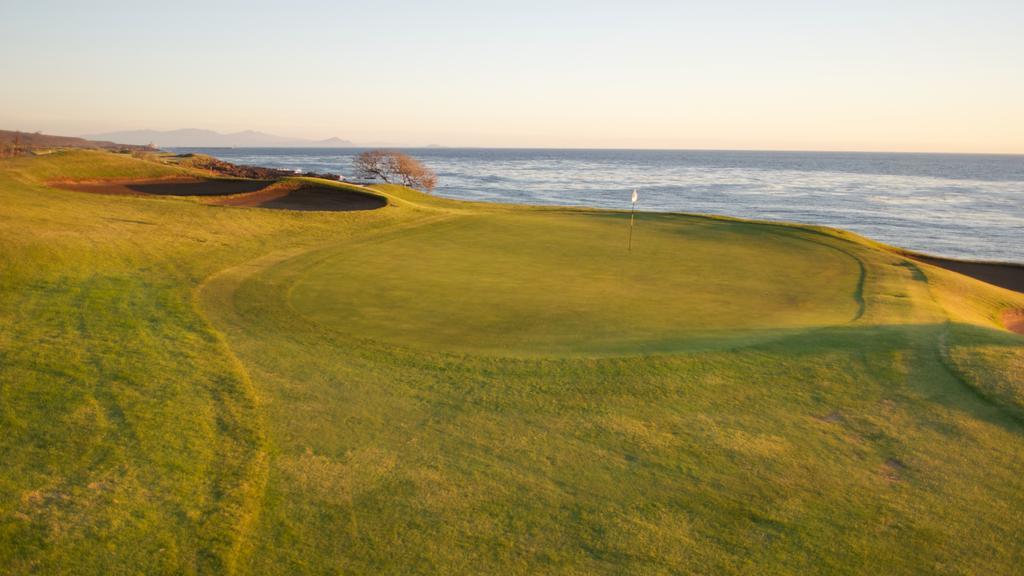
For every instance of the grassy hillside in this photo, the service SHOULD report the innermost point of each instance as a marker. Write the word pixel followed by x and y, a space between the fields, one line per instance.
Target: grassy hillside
pixel 35 141
pixel 444 387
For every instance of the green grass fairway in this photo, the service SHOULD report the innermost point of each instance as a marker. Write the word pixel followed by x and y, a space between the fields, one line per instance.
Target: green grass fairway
pixel 439 387
pixel 563 283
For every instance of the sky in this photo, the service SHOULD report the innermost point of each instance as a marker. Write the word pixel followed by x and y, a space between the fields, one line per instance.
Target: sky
pixel 909 75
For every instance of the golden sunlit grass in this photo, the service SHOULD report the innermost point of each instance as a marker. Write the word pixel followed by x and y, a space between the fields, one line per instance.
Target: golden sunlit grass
pixel 447 387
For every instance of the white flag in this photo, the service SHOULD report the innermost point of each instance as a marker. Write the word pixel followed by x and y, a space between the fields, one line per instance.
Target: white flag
pixel 634 196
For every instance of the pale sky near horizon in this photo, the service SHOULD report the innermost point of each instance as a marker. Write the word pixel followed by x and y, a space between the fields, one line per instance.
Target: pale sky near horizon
pixel 841 75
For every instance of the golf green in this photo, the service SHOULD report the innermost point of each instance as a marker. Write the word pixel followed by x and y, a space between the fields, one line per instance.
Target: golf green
pixel 565 284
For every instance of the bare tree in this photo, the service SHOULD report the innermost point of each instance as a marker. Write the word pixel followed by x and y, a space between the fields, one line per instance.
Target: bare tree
pixel 414 174
pixel 373 164
pixel 391 167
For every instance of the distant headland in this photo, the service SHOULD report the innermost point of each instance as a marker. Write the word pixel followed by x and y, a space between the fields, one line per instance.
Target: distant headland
pixel 199 138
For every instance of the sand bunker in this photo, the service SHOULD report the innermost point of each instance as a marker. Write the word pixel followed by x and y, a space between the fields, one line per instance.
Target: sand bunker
pixel 180 187
pixel 1014 321
pixel 306 197
pixel 1009 276
pixel 249 193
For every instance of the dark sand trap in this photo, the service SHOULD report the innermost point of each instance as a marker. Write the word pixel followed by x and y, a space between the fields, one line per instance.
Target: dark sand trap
pixel 183 187
pixel 313 198
pixel 1009 276
pixel 251 193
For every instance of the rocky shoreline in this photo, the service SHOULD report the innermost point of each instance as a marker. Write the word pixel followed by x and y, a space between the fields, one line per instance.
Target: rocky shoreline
pixel 242 171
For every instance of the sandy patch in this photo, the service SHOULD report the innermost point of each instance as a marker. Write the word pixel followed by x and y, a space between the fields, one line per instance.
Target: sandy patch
pixel 178 187
pixel 1014 320
pixel 306 197
pixel 248 193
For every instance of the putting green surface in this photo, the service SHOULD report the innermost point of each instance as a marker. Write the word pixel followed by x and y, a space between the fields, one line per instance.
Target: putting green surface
pixel 564 283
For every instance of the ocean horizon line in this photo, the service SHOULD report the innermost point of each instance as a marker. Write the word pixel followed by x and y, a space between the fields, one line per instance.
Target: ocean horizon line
pixel 599 149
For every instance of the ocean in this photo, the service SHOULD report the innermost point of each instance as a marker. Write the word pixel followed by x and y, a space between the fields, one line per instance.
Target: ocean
pixel 956 205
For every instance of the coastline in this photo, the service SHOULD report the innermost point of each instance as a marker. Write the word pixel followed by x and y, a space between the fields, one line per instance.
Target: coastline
pixel 1005 275
pixel 890 198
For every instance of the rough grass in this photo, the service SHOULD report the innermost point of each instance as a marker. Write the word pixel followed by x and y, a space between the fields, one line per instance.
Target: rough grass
pixel 88 165
pixel 165 410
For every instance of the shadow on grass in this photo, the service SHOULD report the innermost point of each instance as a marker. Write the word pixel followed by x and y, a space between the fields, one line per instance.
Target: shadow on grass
pixel 929 371
pixel 926 369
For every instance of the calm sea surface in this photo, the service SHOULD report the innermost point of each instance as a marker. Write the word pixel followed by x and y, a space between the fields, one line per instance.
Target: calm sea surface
pixel 966 206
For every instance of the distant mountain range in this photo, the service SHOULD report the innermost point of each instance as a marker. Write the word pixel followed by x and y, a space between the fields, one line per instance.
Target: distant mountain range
pixel 196 138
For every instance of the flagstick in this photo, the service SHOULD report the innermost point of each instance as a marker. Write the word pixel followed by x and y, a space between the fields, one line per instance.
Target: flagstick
pixel 629 247
pixel 631 213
